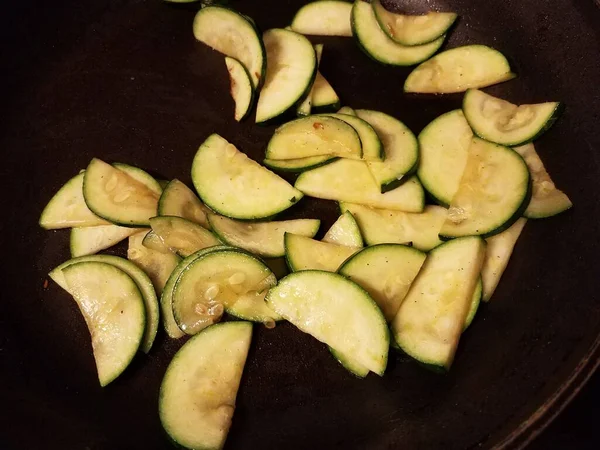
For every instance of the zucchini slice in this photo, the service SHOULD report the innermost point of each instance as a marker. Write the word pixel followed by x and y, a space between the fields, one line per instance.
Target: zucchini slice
pixel 444 150
pixel 305 107
pixel 304 253
pixel 179 200
pixel 223 280
pixel 299 164
pixel 234 35
pixel 400 146
pixel 241 88
pixel 499 121
pixel 350 181
pixel 378 46
pixel 154 242
pixel 381 226
pixel 344 231
pixel 432 316
pixel 261 238
pixel 347 110
pixel 324 18
pixel 499 249
pixel 118 197
pixel 349 364
pixel 476 301
pixel 546 199
pixel 67 208
pixel 458 69
pixel 386 272
pixel 413 30
pixel 113 309
pixel 314 136
pixel 89 240
pixel 157 265
pixel 372 148
pixel 182 236
pixel 337 312
pixel 493 193
pixel 291 70
pixel 324 97
pixel 235 186
pixel 197 394
pixel 142 176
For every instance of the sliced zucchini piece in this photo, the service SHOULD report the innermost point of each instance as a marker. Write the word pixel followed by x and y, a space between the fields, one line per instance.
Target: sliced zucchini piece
pixel 305 107
pixel 291 70
pixel 546 199
pixel 179 200
pixel 142 176
pixel 235 186
pixel 324 97
pixel 444 150
pixel 344 231
pixel 157 265
pixel 182 236
pixel 475 302
pixel 413 30
pixel 299 164
pixel 499 121
pixel 347 110
pixel 499 249
pixel 304 253
pixel 154 242
pixel 381 226
pixel 493 192
pixel 89 240
pixel 241 88
pixel 117 197
pixel 458 69
pixel 314 136
pixel 400 146
pixel 324 18
pixel 67 208
pixel 261 238
pixel 234 35
pixel 349 364
pixel 372 148
pixel 197 394
pixel 378 46
pixel 335 311
pixel 350 181
pixel 386 272
pixel 113 309
pixel 223 280
pixel 433 314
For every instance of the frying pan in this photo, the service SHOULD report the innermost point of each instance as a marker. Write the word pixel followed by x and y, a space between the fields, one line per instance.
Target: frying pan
pixel 124 80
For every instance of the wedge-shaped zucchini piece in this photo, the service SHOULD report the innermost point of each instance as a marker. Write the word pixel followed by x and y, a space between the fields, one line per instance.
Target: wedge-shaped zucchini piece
pixel 157 265
pixel 499 249
pixel 458 69
pixel 182 236
pixel 377 45
pixel 304 109
pixel 413 30
pixel 197 394
pixel 347 110
pixel 493 192
pixel 324 18
pixel 140 175
pixel 400 146
pixel 261 238
pixel 386 272
pixel 234 35
pixel 475 302
pixel 223 280
pixel 67 208
pixel 432 316
pixel 502 122
pixel 335 311
pixel 314 136
pixel 546 199
pixel 291 70
pixel 304 253
pixel 350 364
pixel 179 200
pixel 142 281
pixel 89 240
pixel 382 226
pixel 113 309
pixel 350 181
pixel 299 164
pixel 154 242
pixel 324 97
pixel 444 149
pixel 372 148
pixel 118 197
pixel 235 186
pixel 241 88
pixel 344 231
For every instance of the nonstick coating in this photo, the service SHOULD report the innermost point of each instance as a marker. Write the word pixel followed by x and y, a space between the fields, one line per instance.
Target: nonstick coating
pixel 124 80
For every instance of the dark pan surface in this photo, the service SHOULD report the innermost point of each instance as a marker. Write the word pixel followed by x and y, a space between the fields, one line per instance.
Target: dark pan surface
pixel 123 80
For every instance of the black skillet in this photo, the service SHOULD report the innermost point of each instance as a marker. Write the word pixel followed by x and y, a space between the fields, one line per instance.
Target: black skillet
pixel 124 80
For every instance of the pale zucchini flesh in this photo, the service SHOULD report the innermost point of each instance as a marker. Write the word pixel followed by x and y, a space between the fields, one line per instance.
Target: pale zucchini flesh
pixel 324 18
pixel 324 97
pixel 179 200
pixel 304 253
pixel 347 110
pixel 182 236
pixel 372 147
pixel 89 240
pixel 241 88
pixel 299 164
pixel 140 175
pixel 475 302
pixel 153 241
pixel 349 364
pixel 345 231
